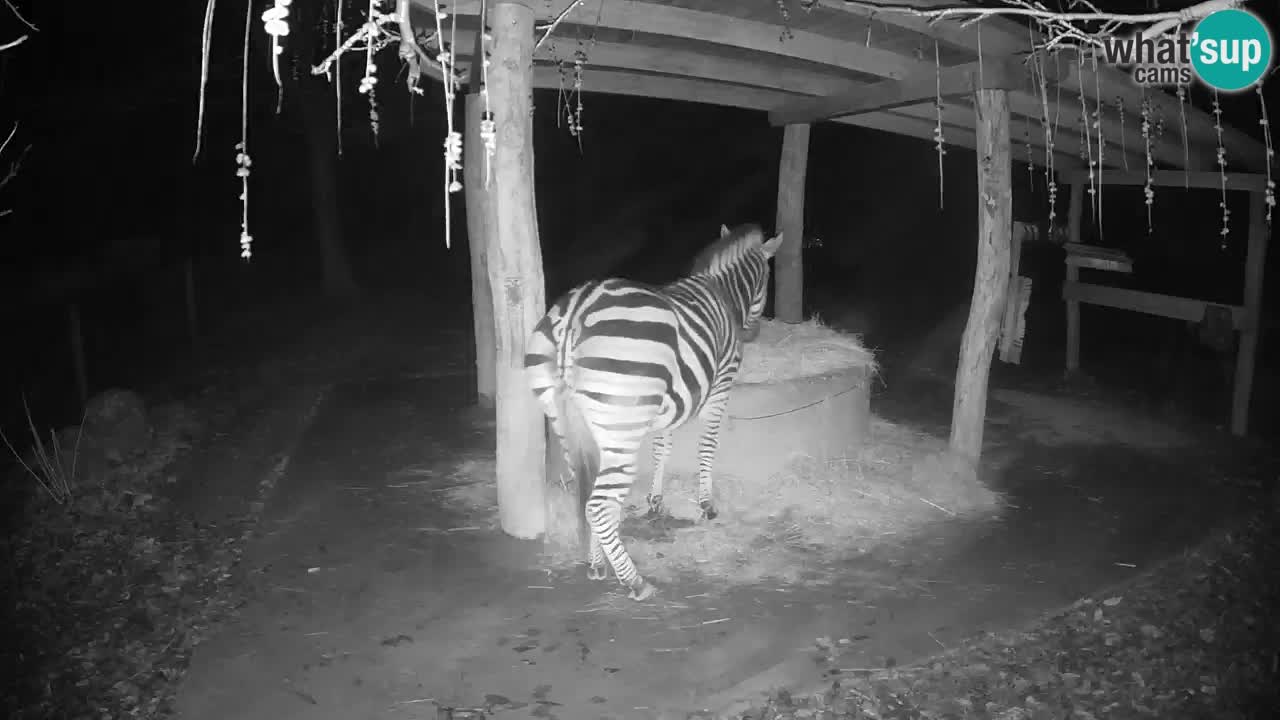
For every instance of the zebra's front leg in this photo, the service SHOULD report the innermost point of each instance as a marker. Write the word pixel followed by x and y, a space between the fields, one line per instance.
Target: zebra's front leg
pixel 712 413
pixel 661 451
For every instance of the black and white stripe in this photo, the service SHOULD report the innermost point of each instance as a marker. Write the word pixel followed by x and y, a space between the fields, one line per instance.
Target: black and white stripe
pixel 614 361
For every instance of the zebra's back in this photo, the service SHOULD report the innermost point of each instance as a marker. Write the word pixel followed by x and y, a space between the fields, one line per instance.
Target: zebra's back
pixel 621 344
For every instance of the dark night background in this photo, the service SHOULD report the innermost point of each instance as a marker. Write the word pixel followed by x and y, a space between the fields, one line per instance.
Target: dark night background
pixel 108 203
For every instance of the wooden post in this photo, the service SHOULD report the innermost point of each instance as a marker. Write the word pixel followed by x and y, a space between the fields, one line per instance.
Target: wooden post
pixel 479 235
pixel 515 272
pixel 189 293
pixel 1074 213
pixel 1246 355
pixel 991 280
pixel 1009 324
pixel 788 266
pixel 77 352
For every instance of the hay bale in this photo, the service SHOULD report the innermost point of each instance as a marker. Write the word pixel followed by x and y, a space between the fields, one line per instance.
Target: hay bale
pixel 784 352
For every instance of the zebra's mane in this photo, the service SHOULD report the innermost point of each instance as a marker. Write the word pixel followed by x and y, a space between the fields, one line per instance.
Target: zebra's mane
pixel 728 250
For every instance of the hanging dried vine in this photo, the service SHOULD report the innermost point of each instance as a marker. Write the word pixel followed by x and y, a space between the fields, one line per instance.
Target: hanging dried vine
pixel 569 104
pixel 337 73
pixel 488 129
pixel 447 60
pixel 206 40
pixel 937 129
pixel 1269 192
pixel 1222 170
pixel 1124 148
pixel 1026 134
pixel 1086 148
pixel 275 21
pixel 785 13
pixel 1097 124
pixel 243 162
pixel 1186 145
pixel 1038 71
pixel 369 81
pixel 1148 191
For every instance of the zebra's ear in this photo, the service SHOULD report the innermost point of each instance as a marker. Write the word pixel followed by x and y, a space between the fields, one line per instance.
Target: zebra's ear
pixel 724 231
pixel 771 245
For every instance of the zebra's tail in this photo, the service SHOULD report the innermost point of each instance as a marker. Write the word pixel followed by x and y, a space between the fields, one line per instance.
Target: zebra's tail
pixel 581 456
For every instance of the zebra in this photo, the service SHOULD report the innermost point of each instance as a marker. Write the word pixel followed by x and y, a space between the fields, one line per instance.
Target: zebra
pixel 614 361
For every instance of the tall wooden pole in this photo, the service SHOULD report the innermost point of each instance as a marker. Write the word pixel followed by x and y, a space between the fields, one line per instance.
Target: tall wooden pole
pixel 788 265
pixel 479 234
pixel 1255 262
pixel 189 295
pixel 515 272
pixel 1075 211
pixel 991 281
pixel 77 351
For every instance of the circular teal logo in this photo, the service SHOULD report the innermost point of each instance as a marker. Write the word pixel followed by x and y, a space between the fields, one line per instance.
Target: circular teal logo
pixel 1231 49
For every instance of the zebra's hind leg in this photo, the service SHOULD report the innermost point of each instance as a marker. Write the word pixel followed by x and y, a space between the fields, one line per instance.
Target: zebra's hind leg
pixel 711 414
pixel 604 515
pixel 661 451
pixel 595 557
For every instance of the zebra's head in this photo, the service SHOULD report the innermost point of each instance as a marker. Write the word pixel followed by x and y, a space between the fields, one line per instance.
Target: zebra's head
pixel 740 259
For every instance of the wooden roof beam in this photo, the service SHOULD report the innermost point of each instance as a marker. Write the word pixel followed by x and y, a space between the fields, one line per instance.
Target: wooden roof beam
pixel 798 81
pixel 1001 37
pixel 616 82
pixel 727 73
pixel 1246 182
pixel 919 87
pixel 696 25
pixel 1124 141
pixel 688 63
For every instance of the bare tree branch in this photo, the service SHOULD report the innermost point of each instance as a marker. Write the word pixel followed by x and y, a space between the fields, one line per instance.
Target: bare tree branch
pixel 14 43
pixel 1167 19
pixel 19 16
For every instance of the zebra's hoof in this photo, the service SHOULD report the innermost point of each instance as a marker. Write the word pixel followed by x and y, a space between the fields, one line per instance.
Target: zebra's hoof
pixel 708 510
pixel 655 506
pixel 596 572
pixel 644 591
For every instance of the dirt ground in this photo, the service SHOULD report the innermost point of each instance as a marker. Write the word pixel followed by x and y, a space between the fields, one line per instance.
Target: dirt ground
pixel 371 598
pixel 342 584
